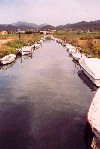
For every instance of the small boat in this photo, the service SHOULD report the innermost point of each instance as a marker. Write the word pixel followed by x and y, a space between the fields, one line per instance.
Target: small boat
pixel 41 41
pixel 37 45
pixel 8 59
pixel 91 67
pixel 78 56
pixel 26 50
pixel 68 46
pixel 59 41
pixel 94 114
pixel 64 44
pixel 72 50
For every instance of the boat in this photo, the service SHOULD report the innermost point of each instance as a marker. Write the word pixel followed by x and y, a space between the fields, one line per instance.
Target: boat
pixel 37 45
pixel 94 114
pixel 26 50
pixel 41 41
pixel 59 41
pixel 72 50
pixel 8 59
pixel 68 46
pixel 64 44
pixel 78 56
pixel 91 67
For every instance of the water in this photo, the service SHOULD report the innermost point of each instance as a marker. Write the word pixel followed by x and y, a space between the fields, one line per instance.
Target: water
pixel 44 100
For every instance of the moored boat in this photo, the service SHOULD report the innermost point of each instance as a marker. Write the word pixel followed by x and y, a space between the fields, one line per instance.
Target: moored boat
pixel 68 46
pixel 72 50
pixel 64 44
pixel 8 59
pixel 94 114
pixel 91 67
pixel 37 45
pixel 78 56
pixel 26 50
pixel 59 41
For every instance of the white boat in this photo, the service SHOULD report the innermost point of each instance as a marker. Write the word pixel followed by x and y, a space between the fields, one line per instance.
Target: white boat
pixel 41 41
pixel 37 45
pixel 59 41
pixel 91 67
pixel 52 38
pixel 8 59
pixel 64 44
pixel 68 46
pixel 26 50
pixel 78 56
pixel 94 114
pixel 72 50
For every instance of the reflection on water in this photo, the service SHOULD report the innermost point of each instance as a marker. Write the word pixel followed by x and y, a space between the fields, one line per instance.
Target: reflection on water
pixel 43 102
pixel 5 67
pixel 15 125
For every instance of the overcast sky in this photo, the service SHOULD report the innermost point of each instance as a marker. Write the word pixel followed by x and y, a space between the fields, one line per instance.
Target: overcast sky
pixel 54 12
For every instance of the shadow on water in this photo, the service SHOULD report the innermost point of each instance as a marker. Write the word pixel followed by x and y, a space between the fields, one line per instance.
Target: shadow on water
pixel 15 125
pixel 87 81
pixel 5 67
pixel 88 136
pixel 21 129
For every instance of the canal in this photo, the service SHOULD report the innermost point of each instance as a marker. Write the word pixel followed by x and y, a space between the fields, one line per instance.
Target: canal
pixel 44 100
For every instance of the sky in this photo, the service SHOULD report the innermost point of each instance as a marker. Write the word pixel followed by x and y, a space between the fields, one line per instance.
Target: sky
pixel 53 12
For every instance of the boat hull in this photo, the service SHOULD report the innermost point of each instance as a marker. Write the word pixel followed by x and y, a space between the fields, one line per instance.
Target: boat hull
pixel 95 81
pixel 25 52
pixel 76 58
pixel 97 134
pixel 4 62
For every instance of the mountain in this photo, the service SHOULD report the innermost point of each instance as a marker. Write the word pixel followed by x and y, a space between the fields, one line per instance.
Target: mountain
pixel 64 26
pixel 32 25
pixel 25 26
pixel 92 25
pixel 20 25
pixel 42 25
pixel 48 27
pixel 8 28
pixel 82 25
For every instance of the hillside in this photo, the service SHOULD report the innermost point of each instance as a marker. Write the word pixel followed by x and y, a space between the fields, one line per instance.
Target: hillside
pixel 32 25
pixel 20 25
pixel 92 25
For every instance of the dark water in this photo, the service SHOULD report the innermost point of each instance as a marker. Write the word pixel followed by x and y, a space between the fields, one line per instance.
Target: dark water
pixel 44 100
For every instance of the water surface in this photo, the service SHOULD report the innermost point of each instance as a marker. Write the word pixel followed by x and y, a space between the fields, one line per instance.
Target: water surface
pixel 44 100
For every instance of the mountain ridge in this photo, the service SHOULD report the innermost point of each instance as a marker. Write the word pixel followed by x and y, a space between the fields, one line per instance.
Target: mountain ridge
pixel 19 23
pixel 83 25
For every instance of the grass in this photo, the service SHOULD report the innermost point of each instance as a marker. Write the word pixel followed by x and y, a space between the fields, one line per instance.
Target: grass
pixel 82 39
pixel 10 47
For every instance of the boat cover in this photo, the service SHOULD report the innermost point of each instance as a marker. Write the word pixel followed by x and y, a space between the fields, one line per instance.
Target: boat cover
pixel 78 55
pixel 92 66
pixel 8 57
pixel 94 112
